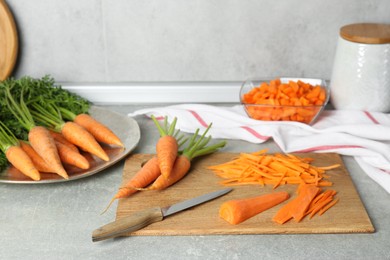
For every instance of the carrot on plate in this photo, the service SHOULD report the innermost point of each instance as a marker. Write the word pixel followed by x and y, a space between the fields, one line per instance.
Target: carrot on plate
pixel 60 138
pixel 100 132
pixel 69 156
pixel 74 133
pixel 239 210
pixel 38 136
pixel 38 161
pixel 9 145
pixel 195 148
pixel 145 176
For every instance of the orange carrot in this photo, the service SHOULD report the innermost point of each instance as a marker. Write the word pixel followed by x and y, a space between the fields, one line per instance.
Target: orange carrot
pixel 146 175
pixel 69 156
pixel 38 136
pixel 38 161
pixel 42 142
pixel 18 158
pixel 308 202
pixel 180 169
pixel 101 132
pixel 277 169
pixel 239 210
pixel 166 147
pixel 195 148
pixel 80 137
pixel 60 138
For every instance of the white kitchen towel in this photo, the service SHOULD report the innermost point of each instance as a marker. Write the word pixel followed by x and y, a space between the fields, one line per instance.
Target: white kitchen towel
pixel 363 135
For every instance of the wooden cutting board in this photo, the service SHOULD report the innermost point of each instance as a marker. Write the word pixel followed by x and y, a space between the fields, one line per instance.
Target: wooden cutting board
pixel 347 216
pixel 8 41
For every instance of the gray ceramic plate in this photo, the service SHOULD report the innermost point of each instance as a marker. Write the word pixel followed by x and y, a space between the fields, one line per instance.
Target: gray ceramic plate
pixel 125 127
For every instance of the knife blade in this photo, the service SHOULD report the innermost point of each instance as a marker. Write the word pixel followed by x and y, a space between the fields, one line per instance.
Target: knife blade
pixel 146 217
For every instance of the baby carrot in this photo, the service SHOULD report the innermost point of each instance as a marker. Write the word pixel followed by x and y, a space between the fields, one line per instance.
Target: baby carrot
pixel 38 161
pixel 72 132
pixel 38 136
pixel 195 148
pixel 80 137
pixel 18 158
pixel 101 132
pixel 69 156
pixel 42 142
pixel 9 145
pixel 146 175
pixel 166 147
pixel 239 210
pixel 60 138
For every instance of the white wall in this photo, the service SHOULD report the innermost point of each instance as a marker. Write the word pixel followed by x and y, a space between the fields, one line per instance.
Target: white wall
pixel 176 40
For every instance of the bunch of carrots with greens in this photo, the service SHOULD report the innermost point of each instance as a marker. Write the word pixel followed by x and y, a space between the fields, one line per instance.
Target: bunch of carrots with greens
pixel 171 164
pixel 48 127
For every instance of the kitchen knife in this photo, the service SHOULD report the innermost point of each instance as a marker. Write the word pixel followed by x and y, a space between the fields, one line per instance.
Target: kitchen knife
pixel 144 218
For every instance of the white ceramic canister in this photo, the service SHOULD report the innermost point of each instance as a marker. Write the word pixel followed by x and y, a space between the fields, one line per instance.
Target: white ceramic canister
pixel 361 72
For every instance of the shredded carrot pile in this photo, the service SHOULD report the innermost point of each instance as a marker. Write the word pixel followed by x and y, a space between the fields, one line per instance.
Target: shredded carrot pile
pixel 311 200
pixel 271 169
pixel 291 101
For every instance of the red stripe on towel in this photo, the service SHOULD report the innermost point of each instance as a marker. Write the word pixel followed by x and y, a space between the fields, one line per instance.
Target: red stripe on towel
pixel 255 133
pixel 328 147
pixel 197 117
pixel 371 117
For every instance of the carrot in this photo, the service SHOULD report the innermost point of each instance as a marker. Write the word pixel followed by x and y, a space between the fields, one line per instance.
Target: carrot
pixel 277 169
pixel 309 201
pixel 239 210
pixel 38 136
pixel 145 176
pixel 289 101
pixel 195 148
pixel 42 142
pixel 72 132
pixel 100 131
pixel 18 158
pixel 60 138
pixel 9 145
pixel 80 137
pixel 166 147
pixel 38 161
pixel 69 156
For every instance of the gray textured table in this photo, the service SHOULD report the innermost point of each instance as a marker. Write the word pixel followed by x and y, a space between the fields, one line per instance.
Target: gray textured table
pixel 55 221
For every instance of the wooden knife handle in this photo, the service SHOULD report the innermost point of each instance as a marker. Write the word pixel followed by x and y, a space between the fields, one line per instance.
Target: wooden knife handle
pixel 132 223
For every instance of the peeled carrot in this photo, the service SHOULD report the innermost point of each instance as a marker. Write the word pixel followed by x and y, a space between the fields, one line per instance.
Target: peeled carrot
pixel 80 137
pixel 42 142
pixel 239 210
pixel 60 138
pixel 101 132
pixel 69 156
pixel 309 201
pixel 275 169
pixel 38 161
pixel 166 147
pixel 149 172
pixel 18 158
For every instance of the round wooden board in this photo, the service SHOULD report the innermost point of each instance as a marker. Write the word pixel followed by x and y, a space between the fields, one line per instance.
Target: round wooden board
pixel 8 41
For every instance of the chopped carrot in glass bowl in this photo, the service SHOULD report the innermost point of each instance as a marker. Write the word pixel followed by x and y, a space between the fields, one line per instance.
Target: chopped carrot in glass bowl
pixel 284 99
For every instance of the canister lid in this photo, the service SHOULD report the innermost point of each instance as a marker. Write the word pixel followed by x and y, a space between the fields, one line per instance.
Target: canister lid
pixel 369 33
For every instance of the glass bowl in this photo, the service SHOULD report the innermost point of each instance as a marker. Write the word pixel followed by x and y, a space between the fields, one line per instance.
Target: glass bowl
pixel 284 99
